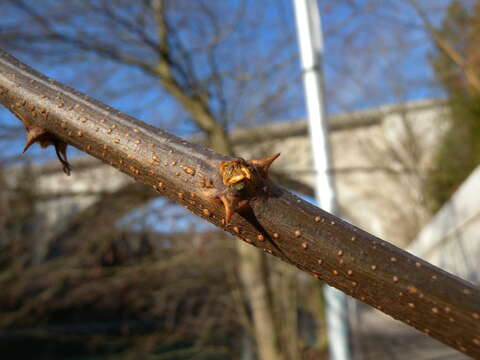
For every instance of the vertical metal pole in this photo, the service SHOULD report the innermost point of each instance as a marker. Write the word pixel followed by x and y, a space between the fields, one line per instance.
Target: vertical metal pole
pixel 311 52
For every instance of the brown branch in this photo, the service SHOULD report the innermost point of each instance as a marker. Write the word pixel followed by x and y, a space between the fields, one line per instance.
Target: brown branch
pixel 267 216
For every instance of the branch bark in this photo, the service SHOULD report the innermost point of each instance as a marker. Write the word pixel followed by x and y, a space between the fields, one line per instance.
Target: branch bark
pixel 281 224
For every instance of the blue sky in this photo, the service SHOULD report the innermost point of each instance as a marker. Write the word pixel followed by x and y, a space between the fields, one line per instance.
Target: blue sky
pixel 373 56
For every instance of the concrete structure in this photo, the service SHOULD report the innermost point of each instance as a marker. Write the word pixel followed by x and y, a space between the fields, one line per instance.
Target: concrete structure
pixel 451 240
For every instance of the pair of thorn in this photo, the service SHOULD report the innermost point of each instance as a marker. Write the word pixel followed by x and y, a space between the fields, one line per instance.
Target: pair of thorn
pixel 39 135
pixel 243 180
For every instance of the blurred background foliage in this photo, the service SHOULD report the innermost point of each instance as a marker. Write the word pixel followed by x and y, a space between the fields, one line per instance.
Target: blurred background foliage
pixel 459 152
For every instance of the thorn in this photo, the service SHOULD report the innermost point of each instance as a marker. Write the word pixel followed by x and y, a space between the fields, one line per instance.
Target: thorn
pixel 262 165
pixel 232 204
pixel 229 203
pixel 38 135
pixel 35 134
pixel 61 151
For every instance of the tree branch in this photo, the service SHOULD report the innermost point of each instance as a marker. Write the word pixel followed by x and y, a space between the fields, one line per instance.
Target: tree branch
pixel 447 48
pixel 346 257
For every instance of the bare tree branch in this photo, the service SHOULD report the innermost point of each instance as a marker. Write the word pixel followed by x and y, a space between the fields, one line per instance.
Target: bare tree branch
pixel 449 50
pixel 346 257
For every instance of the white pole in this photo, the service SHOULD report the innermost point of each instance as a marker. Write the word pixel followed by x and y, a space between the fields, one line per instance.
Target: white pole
pixel 311 52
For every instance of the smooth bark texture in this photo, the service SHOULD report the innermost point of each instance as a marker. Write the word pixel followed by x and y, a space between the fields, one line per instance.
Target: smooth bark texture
pixel 346 257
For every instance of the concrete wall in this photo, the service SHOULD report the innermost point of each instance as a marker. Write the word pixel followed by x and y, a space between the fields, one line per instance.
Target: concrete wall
pixel 451 240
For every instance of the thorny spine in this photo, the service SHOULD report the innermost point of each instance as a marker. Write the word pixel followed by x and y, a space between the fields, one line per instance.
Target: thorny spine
pixel 265 215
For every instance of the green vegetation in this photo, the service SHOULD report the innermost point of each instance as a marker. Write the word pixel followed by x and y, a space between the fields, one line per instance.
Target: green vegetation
pixel 457 70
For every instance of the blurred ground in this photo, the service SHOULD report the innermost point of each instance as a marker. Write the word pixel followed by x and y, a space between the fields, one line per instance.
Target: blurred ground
pixel 380 337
